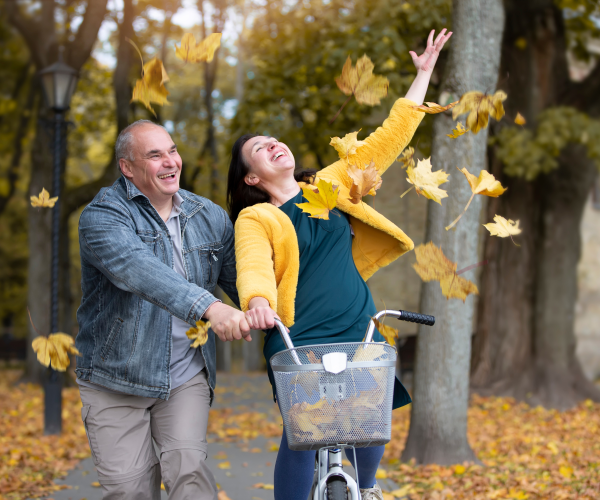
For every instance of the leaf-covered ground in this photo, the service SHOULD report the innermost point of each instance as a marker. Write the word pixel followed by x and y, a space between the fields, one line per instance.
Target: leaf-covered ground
pixel 529 453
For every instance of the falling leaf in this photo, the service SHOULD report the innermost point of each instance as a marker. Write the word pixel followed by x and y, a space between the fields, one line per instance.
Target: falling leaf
pixel 360 81
pixel 433 108
pixel 54 350
pixel 151 88
pixel 480 107
pixel 43 199
pixel 486 185
pixel 390 334
pixel 365 182
pixel 502 227
pixel 222 495
pixel 520 119
pixel 347 146
pixel 193 52
pixel 426 182
pixel 198 333
pixel 458 131
pixel 407 159
pixel 224 465
pixel 162 487
pixel 320 200
pixel 433 265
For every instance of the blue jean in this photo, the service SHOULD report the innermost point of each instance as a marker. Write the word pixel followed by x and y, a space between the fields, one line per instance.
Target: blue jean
pixel 294 470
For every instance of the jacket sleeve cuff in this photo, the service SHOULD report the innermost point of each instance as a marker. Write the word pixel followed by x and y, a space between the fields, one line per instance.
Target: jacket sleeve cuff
pixel 200 307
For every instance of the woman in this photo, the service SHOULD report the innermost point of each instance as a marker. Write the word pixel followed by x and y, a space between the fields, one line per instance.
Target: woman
pixel 309 272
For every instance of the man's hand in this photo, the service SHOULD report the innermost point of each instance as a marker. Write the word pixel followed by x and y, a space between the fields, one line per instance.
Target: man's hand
pixel 228 323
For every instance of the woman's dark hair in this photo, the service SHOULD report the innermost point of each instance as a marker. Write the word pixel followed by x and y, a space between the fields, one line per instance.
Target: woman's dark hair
pixel 239 194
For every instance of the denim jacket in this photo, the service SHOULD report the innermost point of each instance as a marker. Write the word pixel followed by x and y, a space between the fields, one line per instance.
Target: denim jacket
pixel 130 289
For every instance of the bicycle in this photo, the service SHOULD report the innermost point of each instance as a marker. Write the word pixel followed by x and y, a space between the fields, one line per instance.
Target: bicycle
pixel 337 396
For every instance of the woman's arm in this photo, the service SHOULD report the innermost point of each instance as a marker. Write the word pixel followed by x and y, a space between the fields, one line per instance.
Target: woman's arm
pixel 387 142
pixel 425 64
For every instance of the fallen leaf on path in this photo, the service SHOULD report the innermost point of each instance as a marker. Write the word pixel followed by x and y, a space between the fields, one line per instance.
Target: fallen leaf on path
pixel 433 265
pixel 486 185
pixel 426 182
pixel 222 495
pixel 320 200
pixel 55 350
pixel 434 108
pixel 480 107
pixel 43 200
pixel 224 465
pixel 381 474
pixel 364 181
pixel 263 486
pixel 95 484
pixel 190 51
pixel 198 333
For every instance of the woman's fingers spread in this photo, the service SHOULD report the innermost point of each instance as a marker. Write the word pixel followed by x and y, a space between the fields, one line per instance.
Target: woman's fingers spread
pixel 430 38
pixel 440 36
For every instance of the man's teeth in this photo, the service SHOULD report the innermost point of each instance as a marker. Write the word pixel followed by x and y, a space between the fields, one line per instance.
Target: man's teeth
pixel 164 176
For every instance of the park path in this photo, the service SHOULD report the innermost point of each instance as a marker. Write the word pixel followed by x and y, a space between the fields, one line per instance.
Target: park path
pixel 239 460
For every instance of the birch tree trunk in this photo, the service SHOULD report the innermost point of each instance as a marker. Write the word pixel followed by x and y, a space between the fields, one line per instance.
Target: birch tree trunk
pixel 438 426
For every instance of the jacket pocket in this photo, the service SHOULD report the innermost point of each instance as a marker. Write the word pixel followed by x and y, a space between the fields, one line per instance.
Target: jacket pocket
pixel 211 258
pixel 154 240
pixel 85 411
pixel 112 337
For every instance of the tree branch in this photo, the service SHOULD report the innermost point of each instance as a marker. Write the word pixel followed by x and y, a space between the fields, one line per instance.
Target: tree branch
pixel 28 29
pixel 80 49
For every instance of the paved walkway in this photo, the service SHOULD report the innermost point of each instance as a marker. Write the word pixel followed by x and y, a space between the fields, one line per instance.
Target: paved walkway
pixel 238 462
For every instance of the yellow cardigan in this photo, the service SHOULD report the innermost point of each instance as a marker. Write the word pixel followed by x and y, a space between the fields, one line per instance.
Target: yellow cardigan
pixel 266 245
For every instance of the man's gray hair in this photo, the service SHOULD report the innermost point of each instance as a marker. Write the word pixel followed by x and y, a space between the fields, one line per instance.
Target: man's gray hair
pixel 124 144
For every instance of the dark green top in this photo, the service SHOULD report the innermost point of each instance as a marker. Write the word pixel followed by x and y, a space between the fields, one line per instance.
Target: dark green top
pixel 333 303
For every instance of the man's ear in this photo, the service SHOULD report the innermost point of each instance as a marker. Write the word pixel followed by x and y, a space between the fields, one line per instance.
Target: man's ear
pixel 125 167
pixel 251 180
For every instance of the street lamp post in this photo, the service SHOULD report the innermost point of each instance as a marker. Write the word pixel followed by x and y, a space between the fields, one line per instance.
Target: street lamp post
pixel 59 82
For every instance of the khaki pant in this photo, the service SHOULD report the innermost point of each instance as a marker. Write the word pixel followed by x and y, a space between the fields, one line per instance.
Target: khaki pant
pixel 120 429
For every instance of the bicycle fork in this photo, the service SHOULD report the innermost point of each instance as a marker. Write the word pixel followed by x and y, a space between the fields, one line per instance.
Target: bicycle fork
pixel 330 464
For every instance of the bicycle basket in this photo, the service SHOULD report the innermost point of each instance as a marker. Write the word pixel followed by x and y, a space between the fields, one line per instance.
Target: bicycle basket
pixel 320 408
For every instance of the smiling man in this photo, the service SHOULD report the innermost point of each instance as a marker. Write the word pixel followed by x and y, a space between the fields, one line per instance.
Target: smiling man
pixel 151 257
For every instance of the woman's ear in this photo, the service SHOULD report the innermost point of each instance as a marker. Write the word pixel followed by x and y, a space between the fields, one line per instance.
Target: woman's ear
pixel 251 180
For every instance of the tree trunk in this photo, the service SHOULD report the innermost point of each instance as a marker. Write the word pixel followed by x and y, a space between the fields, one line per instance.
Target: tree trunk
pixel 438 428
pixel 525 343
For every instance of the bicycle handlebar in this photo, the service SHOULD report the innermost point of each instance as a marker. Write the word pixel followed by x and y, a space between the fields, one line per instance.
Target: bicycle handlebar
pixel 423 319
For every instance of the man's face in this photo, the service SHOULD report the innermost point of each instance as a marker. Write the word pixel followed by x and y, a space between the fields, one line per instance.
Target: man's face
pixel 156 169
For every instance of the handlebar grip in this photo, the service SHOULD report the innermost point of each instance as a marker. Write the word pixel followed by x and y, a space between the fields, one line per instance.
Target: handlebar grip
pixel 423 319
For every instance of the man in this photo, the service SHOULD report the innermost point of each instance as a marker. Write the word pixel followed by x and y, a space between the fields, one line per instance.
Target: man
pixel 151 257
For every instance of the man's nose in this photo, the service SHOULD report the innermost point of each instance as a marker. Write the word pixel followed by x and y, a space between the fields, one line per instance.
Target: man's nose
pixel 169 160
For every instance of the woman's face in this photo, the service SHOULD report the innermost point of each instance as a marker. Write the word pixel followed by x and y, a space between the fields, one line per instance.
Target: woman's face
pixel 269 160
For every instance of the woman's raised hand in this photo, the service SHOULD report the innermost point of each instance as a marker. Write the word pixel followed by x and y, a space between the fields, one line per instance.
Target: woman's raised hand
pixel 260 316
pixel 426 61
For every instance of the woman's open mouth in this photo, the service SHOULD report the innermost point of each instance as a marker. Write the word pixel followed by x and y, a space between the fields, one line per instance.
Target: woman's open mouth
pixel 278 155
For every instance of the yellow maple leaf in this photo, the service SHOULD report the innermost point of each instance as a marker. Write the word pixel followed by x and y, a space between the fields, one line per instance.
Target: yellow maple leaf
pixel 433 265
pixel 347 146
pixel 503 228
pixel 434 108
pixel 426 182
pixel 193 52
pixel 407 489
pixel 150 88
pixel 407 158
pixel 390 334
pixel 520 119
pixel 480 107
pixel 365 181
pixel 458 131
pixel 54 350
pixel 486 185
pixel 566 471
pixel 360 81
pixel 320 200
pixel 459 469
pixel 43 199
pixel 198 333
pixel 381 474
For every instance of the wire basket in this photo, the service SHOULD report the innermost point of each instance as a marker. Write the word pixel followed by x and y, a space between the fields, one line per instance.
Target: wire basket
pixel 321 408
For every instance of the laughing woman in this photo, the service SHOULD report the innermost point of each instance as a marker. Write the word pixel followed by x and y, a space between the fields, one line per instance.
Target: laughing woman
pixel 309 272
